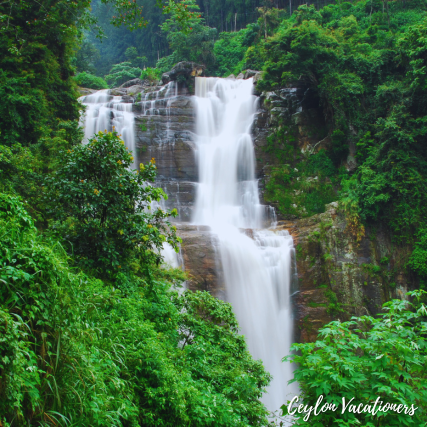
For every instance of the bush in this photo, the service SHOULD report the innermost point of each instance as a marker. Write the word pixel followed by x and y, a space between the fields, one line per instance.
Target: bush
pixel 101 206
pixel 151 74
pixel 90 81
pixel 418 259
pixel 121 73
pixel 367 359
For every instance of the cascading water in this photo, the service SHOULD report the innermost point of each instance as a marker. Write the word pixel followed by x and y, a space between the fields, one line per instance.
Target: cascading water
pixel 256 262
pixel 103 112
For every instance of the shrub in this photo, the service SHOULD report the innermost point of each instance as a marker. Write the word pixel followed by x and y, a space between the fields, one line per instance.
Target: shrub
pixel 90 81
pixel 77 351
pixel 151 74
pixel 367 359
pixel 121 73
pixel 101 206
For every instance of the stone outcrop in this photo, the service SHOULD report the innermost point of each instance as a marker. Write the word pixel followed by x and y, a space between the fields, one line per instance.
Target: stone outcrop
pixel 200 254
pixel 133 82
pixel 185 69
pixel 83 91
pixel 339 274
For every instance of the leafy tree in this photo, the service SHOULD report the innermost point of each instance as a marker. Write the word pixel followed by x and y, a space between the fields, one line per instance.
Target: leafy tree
pixel 131 55
pixel 120 73
pixel 86 56
pixel 105 206
pixel 365 359
pixel 90 81
pixel 229 51
pixel 194 45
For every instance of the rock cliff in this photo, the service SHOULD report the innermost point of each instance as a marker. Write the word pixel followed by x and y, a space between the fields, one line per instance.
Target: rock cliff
pixel 340 272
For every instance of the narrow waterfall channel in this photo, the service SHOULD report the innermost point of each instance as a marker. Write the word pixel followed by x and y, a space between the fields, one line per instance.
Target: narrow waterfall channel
pixel 257 262
pixel 103 112
pixel 256 259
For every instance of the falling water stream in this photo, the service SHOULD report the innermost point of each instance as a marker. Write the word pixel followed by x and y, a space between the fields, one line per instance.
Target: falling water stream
pixel 103 112
pixel 257 262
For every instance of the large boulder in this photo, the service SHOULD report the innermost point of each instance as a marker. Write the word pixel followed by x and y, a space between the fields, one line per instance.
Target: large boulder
pixel 186 69
pixel 133 82
pixel 85 91
pixel 251 73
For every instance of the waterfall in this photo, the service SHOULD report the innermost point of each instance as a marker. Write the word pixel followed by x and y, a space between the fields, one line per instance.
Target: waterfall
pixel 257 262
pixel 103 112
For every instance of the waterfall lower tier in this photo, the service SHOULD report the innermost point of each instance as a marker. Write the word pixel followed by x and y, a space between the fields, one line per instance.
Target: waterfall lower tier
pixel 257 264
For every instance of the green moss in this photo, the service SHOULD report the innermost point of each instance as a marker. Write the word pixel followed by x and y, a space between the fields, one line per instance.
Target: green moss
pixel 334 307
pixel 307 324
pixel 301 187
pixel 315 304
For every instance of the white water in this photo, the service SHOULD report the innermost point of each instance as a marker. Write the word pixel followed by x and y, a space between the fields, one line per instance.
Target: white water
pixel 103 112
pixel 257 270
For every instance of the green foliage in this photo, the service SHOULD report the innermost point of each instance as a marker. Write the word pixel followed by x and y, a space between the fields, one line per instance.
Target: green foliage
pixel 418 260
pixel 121 73
pixel 104 206
pixel 86 57
pixel 151 74
pixel 366 64
pixel 90 81
pixel 193 45
pixel 229 52
pixel 298 194
pixel 321 163
pixel 131 55
pixel 77 351
pixel 301 186
pixel 365 359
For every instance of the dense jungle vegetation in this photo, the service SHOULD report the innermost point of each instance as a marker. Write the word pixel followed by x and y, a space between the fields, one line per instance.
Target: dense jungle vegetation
pixel 93 328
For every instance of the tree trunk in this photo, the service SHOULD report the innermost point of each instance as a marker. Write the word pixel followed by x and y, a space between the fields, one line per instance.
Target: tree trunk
pixel 388 15
pixel 265 24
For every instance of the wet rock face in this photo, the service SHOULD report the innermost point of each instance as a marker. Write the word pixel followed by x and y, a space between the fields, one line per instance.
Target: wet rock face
pixel 340 277
pixel 295 112
pixel 169 140
pixel 181 196
pixel 200 254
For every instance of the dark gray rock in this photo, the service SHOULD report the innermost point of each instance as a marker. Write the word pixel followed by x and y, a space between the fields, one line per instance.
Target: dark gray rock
pixel 133 82
pixel 186 69
pixel 251 73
